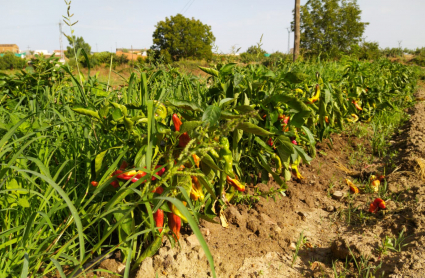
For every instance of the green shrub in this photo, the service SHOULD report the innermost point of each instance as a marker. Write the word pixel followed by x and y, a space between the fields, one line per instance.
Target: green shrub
pixel 9 61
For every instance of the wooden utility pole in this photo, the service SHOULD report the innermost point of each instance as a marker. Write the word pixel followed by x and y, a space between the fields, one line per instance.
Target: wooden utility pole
pixel 297 33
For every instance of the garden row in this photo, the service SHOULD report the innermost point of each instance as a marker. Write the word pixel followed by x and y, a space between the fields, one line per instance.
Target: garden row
pixel 88 170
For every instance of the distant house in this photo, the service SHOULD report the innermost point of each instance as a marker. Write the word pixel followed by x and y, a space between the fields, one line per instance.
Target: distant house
pixel 58 53
pixel 132 54
pixel 44 52
pixel 9 47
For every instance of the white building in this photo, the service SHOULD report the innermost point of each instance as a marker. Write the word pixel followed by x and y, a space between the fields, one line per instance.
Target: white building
pixel 44 52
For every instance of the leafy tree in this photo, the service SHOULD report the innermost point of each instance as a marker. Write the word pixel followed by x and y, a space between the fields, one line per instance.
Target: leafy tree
pixel 255 50
pixel 79 43
pixel 8 61
pixel 366 51
pixel 330 26
pixel 181 37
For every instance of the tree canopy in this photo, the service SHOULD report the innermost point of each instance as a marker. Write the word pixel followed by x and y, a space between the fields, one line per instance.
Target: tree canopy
pixel 182 37
pixel 330 26
pixel 255 50
pixel 79 43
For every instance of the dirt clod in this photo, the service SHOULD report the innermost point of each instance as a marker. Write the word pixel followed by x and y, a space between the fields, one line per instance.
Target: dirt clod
pixel 146 270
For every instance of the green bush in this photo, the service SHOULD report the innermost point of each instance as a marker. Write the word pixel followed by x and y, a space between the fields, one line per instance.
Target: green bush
pixel 366 51
pixel 10 61
pixel 418 60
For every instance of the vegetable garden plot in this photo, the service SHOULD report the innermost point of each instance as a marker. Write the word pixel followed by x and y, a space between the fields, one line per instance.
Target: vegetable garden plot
pixel 88 169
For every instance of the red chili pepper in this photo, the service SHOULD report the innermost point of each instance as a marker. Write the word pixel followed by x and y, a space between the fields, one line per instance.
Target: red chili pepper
pixel 281 117
pixel 124 165
pixel 175 223
pixel 270 142
pixel 94 183
pixel 379 203
pixel 184 139
pixel 125 176
pixel 294 142
pixel 160 172
pixel 158 190
pixel 373 208
pixel 115 184
pixel 158 216
pixel 177 122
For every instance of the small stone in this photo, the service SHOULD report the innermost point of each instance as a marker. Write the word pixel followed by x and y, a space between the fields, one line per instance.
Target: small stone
pixel 277 229
pixel 292 246
pixel 168 262
pixel 330 208
pixel 233 216
pixel 146 269
pixel 201 254
pixel 266 219
pixel 157 261
pixel 252 226
pixel 112 265
pixel 205 232
pixel 303 215
pixel 192 241
pixel 163 251
pixel 337 195
pixel 262 187
pixel 121 268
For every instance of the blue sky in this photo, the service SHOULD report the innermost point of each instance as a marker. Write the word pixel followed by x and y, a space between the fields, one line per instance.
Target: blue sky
pixel 105 24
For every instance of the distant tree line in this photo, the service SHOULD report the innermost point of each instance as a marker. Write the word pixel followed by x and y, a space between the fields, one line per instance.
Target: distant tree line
pixel 329 29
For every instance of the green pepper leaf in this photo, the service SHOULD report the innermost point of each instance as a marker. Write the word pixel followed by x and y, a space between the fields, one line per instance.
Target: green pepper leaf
pixel 254 129
pixel 211 115
pixel 190 125
pixel 184 104
pixel 210 71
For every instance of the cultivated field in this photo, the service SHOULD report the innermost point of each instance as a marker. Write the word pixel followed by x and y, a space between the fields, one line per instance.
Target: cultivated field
pixel 295 169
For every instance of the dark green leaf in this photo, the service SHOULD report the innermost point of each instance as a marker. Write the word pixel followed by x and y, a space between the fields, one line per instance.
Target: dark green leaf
pixel 211 115
pixel 189 105
pixel 254 129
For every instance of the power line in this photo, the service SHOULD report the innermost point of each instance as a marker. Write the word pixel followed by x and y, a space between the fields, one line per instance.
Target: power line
pixel 188 6
pixel 185 6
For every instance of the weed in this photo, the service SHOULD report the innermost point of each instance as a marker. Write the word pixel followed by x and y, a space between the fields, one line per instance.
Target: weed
pixel 383 125
pixel 300 243
pixel 342 274
pixel 396 243
pixel 320 167
pixel 364 268
pixel 250 200
pixel 323 153
pixel 331 185
pixel 383 190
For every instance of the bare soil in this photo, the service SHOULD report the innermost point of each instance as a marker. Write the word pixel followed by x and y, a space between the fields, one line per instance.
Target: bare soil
pixel 339 232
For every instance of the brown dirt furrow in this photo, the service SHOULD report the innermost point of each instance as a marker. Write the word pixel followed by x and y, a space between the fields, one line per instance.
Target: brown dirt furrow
pixel 336 225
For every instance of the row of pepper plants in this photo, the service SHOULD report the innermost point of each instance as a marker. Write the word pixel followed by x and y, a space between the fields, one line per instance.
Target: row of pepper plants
pixel 89 169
